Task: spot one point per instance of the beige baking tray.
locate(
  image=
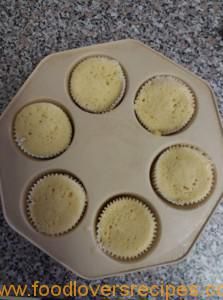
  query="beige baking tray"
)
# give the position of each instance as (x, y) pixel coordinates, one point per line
(111, 154)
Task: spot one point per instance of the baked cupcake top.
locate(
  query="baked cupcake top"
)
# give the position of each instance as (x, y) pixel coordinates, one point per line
(97, 84)
(126, 228)
(55, 204)
(42, 130)
(183, 175)
(164, 105)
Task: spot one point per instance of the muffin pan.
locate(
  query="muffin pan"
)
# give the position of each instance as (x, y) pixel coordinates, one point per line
(111, 154)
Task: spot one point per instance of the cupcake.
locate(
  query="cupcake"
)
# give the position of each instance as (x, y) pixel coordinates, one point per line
(97, 84)
(164, 105)
(42, 130)
(55, 204)
(183, 175)
(126, 228)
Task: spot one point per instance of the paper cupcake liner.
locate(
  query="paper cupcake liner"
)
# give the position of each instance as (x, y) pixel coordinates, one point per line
(193, 102)
(119, 98)
(19, 143)
(192, 202)
(29, 202)
(150, 244)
